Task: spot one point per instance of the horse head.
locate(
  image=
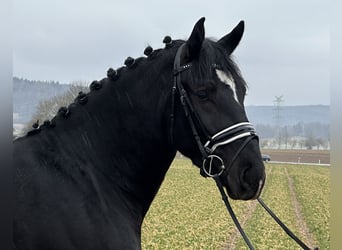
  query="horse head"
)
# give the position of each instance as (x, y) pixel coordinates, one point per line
(210, 123)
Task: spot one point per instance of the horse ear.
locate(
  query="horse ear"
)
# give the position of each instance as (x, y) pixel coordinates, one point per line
(231, 40)
(194, 43)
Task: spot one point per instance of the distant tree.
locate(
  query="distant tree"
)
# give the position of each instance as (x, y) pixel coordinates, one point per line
(293, 142)
(279, 136)
(47, 109)
(321, 143)
(310, 136)
(266, 130)
(297, 129)
(285, 135)
(301, 143)
(278, 117)
(264, 143)
(273, 142)
(310, 142)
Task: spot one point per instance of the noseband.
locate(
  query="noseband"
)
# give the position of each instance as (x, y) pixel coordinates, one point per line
(212, 164)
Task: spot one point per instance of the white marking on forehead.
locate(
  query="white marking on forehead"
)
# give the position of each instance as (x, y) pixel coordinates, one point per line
(226, 80)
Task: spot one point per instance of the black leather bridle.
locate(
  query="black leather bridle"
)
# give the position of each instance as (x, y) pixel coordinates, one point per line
(226, 136)
(210, 160)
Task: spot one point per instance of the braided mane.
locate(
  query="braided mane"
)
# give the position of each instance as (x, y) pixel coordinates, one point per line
(213, 54)
(113, 75)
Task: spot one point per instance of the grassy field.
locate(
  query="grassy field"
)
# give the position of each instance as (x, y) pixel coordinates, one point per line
(188, 212)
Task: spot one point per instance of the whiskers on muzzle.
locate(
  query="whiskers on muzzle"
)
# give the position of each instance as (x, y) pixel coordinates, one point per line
(260, 187)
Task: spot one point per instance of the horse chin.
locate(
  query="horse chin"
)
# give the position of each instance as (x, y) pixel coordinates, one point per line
(242, 190)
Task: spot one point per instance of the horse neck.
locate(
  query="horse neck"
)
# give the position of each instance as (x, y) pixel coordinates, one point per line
(121, 135)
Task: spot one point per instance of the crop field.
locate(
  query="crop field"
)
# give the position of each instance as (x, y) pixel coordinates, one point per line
(188, 212)
(303, 156)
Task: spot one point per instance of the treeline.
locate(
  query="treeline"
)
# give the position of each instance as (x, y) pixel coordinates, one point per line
(40, 100)
(27, 94)
(311, 135)
(24, 80)
(48, 108)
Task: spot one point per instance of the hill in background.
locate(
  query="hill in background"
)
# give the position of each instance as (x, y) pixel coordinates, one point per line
(295, 127)
(289, 115)
(27, 94)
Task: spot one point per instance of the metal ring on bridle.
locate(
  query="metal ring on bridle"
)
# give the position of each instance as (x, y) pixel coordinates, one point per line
(209, 169)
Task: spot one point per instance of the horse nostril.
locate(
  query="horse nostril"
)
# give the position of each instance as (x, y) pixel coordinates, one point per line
(244, 175)
(249, 177)
(252, 181)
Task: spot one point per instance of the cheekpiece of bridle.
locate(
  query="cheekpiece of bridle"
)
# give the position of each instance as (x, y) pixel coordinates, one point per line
(213, 165)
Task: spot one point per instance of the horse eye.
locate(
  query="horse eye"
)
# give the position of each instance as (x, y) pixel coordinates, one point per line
(202, 94)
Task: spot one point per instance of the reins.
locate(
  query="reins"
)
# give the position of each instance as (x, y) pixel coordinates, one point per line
(231, 212)
(262, 203)
(242, 130)
(283, 226)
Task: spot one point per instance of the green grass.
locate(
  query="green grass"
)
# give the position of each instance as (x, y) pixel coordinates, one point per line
(264, 232)
(188, 212)
(312, 188)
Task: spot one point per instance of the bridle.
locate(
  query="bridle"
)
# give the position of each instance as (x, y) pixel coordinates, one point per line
(226, 136)
(238, 131)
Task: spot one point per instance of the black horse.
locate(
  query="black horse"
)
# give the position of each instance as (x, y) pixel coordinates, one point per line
(85, 179)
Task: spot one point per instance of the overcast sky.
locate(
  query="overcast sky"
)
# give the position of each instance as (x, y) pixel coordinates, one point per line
(284, 51)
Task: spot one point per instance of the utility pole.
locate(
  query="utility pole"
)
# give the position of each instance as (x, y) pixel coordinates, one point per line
(278, 117)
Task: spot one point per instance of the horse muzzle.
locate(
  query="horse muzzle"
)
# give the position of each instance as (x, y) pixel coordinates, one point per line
(246, 180)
